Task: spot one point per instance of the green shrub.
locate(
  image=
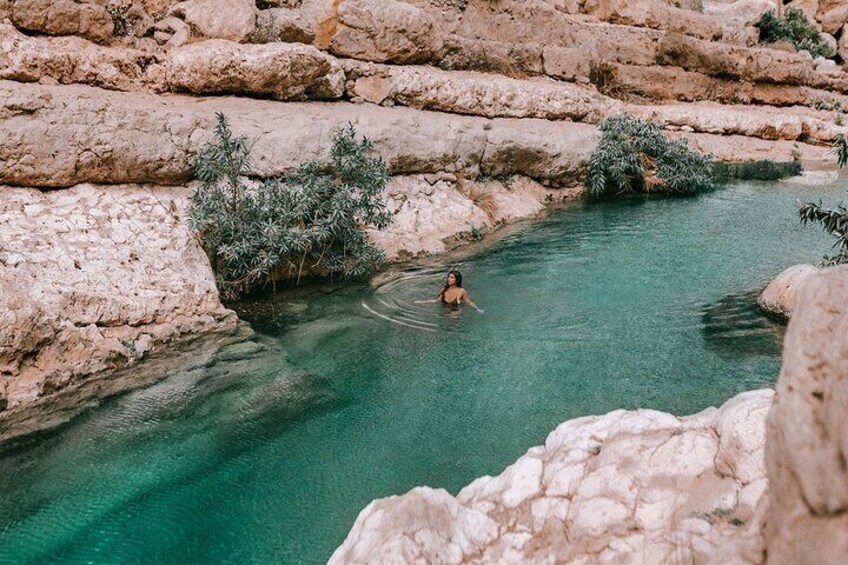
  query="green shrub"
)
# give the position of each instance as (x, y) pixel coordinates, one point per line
(635, 156)
(833, 221)
(758, 170)
(796, 29)
(309, 221)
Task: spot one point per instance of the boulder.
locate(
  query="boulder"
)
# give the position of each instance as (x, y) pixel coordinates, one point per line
(68, 60)
(282, 70)
(234, 20)
(779, 296)
(842, 46)
(833, 20)
(627, 487)
(64, 17)
(282, 24)
(807, 440)
(386, 30)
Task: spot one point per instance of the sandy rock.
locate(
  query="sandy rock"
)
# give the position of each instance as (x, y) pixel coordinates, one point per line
(779, 296)
(842, 46)
(809, 7)
(510, 59)
(282, 24)
(64, 17)
(659, 15)
(68, 60)
(746, 12)
(90, 272)
(807, 443)
(60, 136)
(757, 64)
(477, 93)
(234, 20)
(833, 20)
(385, 30)
(431, 214)
(566, 63)
(284, 71)
(627, 487)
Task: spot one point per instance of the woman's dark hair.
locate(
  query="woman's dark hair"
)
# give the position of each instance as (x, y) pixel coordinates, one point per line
(456, 275)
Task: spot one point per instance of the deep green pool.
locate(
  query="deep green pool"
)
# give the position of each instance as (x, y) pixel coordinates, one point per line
(360, 394)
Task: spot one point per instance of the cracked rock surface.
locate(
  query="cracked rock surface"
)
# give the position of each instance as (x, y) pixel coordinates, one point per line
(627, 487)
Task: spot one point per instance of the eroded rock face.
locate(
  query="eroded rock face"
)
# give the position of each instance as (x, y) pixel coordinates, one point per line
(385, 30)
(628, 487)
(218, 19)
(779, 296)
(807, 437)
(284, 71)
(93, 279)
(90, 20)
(65, 136)
(69, 60)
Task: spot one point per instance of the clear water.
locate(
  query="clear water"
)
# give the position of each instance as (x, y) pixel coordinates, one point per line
(360, 394)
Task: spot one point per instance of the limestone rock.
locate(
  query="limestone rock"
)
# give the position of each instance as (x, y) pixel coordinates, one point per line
(833, 20)
(61, 136)
(807, 440)
(477, 93)
(284, 71)
(218, 19)
(779, 296)
(842, 46)
(716, 59)
(385, 30)
(64, 17)
(659, 15)
(68, 60)
(430, 214)
(746, 12)
(627, 487)
(92, 279)
(282, 24)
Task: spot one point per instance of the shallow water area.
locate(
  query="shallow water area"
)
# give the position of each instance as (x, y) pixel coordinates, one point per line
(355, 392)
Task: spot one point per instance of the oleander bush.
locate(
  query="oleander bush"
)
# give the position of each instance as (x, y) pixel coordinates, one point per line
(834, 222)
(795, 28)
(312, 221)
(634, 156)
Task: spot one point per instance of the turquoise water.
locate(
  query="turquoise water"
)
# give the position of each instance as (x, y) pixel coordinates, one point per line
(358, 393)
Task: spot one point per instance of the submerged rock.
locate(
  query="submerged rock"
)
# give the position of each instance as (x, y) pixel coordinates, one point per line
(779, 296)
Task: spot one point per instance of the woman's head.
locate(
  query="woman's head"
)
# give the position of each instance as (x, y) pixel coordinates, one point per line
(454, 278)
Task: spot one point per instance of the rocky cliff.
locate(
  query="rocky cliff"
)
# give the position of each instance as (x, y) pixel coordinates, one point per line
(483, 110)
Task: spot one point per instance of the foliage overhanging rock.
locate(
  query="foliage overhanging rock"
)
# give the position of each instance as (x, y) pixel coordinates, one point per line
(311, 221)
(635, 156)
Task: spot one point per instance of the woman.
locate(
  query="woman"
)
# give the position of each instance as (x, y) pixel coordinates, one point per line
(452, 294)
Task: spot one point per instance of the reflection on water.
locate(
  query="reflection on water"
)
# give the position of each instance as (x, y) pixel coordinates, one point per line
(734, 325)
(354, 392)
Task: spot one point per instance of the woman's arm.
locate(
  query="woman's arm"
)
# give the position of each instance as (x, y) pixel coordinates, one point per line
(470, 302)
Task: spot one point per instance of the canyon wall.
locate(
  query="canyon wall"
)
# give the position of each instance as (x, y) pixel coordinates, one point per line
(484, 111)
